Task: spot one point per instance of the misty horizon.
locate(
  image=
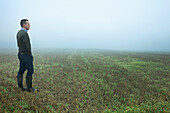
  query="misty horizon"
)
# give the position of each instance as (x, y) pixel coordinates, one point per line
(112, 25)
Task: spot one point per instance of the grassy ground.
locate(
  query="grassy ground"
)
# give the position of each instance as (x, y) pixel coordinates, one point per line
(78, 80)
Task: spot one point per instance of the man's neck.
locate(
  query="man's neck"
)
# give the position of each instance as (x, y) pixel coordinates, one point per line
(24, 29)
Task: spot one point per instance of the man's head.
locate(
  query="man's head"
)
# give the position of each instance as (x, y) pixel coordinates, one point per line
(25, 24)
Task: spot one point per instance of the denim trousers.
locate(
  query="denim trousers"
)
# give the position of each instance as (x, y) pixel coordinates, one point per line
(26, 63)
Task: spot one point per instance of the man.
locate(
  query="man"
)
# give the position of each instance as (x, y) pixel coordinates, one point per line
(25, 56)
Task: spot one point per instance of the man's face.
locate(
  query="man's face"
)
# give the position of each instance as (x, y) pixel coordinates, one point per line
(27, 25)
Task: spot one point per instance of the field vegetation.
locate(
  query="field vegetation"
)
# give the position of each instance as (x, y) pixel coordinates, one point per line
(88, 80)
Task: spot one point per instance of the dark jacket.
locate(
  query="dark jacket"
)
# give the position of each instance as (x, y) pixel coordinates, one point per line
(23, 42)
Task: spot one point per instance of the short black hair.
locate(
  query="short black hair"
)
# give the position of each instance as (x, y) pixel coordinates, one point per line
(23, 21)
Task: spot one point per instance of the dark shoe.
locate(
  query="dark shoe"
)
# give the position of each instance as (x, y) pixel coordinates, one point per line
(28, 90)
(34, 90)
(23, 89)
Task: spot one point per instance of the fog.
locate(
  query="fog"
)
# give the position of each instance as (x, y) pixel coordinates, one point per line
(140, 25)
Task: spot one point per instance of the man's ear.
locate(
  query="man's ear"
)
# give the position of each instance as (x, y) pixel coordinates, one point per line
(23, 25)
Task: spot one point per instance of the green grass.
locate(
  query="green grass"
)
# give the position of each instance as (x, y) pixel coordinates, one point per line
(78, 80)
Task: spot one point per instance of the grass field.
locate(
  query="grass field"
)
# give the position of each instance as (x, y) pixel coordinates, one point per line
(88, 80)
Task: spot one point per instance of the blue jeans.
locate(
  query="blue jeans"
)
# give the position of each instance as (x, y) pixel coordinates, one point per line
(26, 63)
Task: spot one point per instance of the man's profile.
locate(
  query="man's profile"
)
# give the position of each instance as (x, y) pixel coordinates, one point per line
(25, 56)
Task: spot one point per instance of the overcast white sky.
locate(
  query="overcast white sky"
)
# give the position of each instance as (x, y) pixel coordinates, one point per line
(107, 24)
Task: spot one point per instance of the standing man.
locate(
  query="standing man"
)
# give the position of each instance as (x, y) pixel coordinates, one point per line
(25, 56)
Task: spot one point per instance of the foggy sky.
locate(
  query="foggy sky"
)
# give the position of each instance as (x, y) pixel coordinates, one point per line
(107, 24)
